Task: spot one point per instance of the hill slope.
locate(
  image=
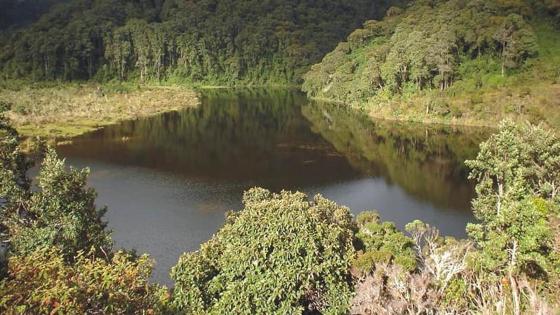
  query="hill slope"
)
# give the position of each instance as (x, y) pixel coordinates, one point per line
(209, 41)
(457, 61)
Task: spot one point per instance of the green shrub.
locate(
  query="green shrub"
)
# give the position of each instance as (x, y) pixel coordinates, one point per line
(517, 172)
(455, 111)
(381, 242)
(59, 253)
(5, 106)
(476, 99)
(281, 254)
(440, 107)
(64, 213)
(455, 294)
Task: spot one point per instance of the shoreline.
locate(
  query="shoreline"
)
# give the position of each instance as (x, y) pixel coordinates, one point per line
(65, 111)
(78, 98)
(537, 107)
(372, 115)
(433, 122)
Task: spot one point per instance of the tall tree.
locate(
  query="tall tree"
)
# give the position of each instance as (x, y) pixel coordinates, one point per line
(517, 41)
(518, 175)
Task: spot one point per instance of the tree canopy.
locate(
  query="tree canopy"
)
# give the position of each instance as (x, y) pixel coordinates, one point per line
(426, 45)
(204, 40)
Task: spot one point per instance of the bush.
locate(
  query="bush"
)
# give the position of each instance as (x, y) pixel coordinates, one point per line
(280, 255)
(456, 112)
(518, 171)
(59, 253)
(440, 107)
(381, 242)
(61, 213)
(42, 283)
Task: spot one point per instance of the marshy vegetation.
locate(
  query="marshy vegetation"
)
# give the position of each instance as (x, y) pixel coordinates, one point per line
(67, 109)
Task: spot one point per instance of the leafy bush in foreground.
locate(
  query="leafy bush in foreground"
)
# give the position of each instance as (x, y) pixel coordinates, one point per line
(518, 174)
(512, 264)
(61, 213)
(280, 255)
(56, 255)
(382, 242)
(42, 283)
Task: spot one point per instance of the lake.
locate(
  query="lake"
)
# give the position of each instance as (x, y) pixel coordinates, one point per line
(168, 180)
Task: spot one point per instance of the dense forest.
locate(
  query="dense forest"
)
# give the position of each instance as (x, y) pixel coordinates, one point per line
(449, 59)
(218, 42)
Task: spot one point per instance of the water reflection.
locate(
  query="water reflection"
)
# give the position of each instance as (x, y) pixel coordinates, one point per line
(426, 161)
(249, 135)
(169, 179)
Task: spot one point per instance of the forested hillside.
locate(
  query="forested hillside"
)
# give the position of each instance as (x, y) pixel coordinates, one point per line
(449, 60)
(192, 41)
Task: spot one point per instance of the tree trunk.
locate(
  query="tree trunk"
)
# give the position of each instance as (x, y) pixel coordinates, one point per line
(513, 281)
(503, 59)
(500, 195)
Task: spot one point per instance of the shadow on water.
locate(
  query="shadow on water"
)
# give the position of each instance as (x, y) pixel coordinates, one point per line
(169, 179)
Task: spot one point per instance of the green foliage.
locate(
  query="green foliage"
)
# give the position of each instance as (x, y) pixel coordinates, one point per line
(381, 242)
(518, 176)
(55, 254)
(220, 42)
(13, 180)
(62, 213)
(42, 283)
(455, 293)
(14, 183)
(281, 254)
(423, 47)
(517, 41)
(13, 164)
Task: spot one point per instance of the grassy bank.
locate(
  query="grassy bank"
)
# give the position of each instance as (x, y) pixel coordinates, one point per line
(67, 110)
(538, 102)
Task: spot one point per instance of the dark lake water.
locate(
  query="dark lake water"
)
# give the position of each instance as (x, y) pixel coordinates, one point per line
(169, 179)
